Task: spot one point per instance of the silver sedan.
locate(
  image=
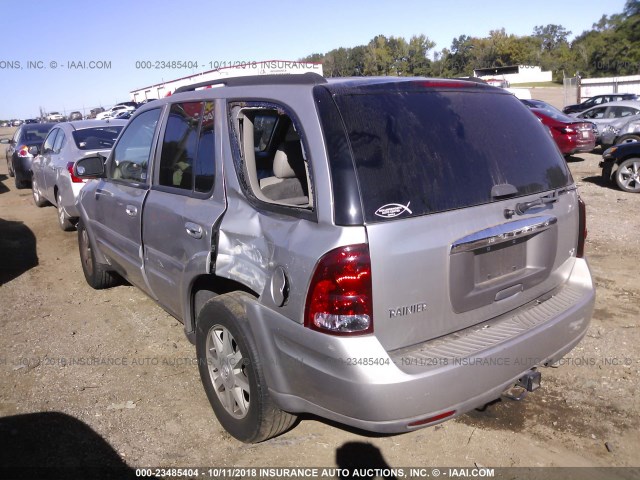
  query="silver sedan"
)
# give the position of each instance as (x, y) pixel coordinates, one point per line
(53, 180)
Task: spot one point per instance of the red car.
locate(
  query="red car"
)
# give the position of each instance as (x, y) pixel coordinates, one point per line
(570, 134)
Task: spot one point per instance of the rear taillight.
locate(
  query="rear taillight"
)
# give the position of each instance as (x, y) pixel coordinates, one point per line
(339, 300)
(566, 130)
(74, 179)
(23, 151)
(582, 227)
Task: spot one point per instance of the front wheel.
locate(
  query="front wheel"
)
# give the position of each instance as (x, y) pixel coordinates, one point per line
(95, 273)
(231, 372)
(628, 175)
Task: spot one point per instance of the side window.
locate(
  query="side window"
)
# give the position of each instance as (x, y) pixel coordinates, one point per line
(283, 177)
(595, 113)
(57, 146)
(49, 141)
(206, 158)
(130, 157)
(180, 144)
(626, 111)
(599, 100)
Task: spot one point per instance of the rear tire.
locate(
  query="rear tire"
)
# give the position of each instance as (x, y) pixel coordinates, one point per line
(20, 183)
(95, 273)
(231, 372)
(63, 219)
(38, 199)
(628, 139)
(628, 175)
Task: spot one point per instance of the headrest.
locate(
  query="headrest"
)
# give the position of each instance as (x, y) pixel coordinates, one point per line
(288, 157)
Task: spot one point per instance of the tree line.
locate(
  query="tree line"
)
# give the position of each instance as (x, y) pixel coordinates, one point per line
(610, 48)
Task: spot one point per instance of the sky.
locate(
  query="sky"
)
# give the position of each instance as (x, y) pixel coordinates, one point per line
(42, 55)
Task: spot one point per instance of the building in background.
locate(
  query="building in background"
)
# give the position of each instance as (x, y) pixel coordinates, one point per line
(513, 74)
(267, 67)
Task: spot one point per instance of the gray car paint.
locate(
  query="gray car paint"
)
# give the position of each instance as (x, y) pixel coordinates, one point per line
(310, 371)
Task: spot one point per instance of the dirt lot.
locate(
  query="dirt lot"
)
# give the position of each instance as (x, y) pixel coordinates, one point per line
(150, 410)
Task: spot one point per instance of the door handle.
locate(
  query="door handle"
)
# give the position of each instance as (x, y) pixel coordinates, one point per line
(131, 210)
(193, 230)
(100, 191)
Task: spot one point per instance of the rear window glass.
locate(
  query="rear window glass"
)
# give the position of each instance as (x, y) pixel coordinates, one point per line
(96, 138)
(424, 152)
(34, 134)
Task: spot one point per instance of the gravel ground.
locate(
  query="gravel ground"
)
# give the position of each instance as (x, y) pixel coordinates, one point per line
(108, 378)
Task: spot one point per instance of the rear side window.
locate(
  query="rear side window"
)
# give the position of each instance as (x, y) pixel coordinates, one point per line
(422, 152)
(187, 161)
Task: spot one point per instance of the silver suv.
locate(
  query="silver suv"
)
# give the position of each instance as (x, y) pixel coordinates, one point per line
(386, 253)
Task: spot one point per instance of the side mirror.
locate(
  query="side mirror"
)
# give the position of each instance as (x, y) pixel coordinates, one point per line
(89, 167)
(34, 150)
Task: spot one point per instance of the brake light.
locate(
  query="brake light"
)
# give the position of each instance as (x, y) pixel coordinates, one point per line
(74, 179)
(582, 227)
(339, 300)
(567, 130)
(23, 151)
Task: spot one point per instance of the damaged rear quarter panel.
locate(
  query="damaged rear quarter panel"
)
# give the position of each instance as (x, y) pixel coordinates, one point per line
(253, 241)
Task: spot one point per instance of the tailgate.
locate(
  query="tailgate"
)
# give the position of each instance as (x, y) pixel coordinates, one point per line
(437, 274)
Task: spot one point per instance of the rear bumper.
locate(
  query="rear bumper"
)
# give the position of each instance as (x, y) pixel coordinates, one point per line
(356, 382)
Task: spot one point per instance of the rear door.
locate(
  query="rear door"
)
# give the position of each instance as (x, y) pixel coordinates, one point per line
(444, 254)
(39, 164)
(52, 163)
(184, 204)
(116, 213)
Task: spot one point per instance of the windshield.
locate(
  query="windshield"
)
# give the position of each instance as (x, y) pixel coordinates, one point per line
(96, 138)
(439, 150)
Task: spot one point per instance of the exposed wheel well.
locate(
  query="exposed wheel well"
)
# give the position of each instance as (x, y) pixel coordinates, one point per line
(205, 287)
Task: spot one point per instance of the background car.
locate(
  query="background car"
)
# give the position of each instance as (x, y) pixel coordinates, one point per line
(55, 117)
(599, 100)
(113, 111)
(621, 164)
(94, 112)
(73, 116)
(53, 180)
(18, 156)
(614, 113)
(16, 123)
(31, 120)
(570, 134)
(615, 133)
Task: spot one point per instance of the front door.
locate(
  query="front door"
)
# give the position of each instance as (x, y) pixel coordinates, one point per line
(119, 198)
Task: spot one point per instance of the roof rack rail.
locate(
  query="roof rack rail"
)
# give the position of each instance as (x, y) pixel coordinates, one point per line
(308, 78)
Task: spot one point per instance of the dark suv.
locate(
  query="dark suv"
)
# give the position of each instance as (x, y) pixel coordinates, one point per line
(598, 100)
(388, 253)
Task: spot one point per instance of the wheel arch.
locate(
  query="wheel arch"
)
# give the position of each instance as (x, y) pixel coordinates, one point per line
(205, 287)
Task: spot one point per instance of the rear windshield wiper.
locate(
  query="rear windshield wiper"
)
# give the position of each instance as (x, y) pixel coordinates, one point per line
(522, 207)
